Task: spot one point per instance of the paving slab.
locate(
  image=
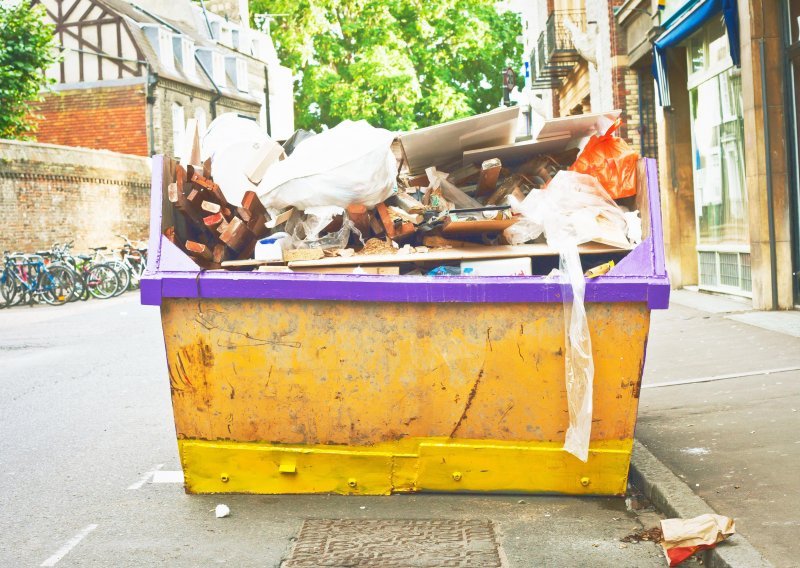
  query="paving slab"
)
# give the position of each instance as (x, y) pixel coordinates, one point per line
(710, 303)
(782, 322)
(686, 343)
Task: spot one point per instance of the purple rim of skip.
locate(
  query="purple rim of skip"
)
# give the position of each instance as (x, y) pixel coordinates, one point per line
(639, 277)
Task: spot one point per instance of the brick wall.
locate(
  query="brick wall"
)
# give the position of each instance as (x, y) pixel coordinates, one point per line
(54, 193)
(629, 95)
(108, 118)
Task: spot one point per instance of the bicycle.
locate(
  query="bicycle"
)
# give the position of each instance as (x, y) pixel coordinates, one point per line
(100, 281)
(28, 276)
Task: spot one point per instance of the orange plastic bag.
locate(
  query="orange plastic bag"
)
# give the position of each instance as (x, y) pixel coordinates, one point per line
(612, 161)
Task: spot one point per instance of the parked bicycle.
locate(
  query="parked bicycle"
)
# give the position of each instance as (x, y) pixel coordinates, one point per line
(26, 278)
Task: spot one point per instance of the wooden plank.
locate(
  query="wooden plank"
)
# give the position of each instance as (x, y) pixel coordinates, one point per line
(378, 270)
(466, 253)
(477, 227)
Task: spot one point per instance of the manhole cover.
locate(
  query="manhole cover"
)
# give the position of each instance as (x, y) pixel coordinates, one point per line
(395, 544)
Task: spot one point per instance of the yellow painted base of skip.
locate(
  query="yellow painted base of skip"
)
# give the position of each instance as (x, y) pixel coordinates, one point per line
(408, 465)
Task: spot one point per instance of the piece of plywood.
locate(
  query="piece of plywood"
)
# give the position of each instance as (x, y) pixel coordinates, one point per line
(441, 143)
(492, 135)
(466, 253)
(478, 227)
(519, 152)
(577, 126)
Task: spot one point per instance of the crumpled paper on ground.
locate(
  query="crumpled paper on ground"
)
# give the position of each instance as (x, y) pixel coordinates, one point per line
(684, 537)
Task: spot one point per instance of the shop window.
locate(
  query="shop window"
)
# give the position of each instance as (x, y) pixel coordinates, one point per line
(720, 196)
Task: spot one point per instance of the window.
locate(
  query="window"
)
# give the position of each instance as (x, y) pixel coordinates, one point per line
(720, 195)
(214, 63)
(184, 53)
(161, 40)
(178, 129)
(202, 122)
(237, 70)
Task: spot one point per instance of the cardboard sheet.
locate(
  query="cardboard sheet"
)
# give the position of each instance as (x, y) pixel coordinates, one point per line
(442, 143)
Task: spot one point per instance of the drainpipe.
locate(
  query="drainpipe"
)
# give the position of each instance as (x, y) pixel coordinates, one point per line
(205, 15)
(152, 79)
(218, 96)
(773, 260)
(157, 18)
(266, 100)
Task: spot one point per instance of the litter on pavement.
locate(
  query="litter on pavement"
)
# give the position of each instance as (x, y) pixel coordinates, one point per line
(683, 537)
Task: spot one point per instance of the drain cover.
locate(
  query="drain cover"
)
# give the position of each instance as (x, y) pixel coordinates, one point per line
(394, 544)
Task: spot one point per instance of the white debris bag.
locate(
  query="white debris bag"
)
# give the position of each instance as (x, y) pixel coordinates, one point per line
(350, 164)
(572, 210)
(233, 143)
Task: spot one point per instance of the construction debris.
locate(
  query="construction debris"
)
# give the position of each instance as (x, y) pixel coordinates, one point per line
(460, 192)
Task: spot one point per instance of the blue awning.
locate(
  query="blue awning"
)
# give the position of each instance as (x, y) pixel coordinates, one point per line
(687, 24)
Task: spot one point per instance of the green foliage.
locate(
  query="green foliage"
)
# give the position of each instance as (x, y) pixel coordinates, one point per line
(26, 48)
(399, 65)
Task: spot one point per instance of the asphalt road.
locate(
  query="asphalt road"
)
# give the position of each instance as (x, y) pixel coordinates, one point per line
(85, 420)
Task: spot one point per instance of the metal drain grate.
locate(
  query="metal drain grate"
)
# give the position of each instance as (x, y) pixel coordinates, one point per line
(395, 543)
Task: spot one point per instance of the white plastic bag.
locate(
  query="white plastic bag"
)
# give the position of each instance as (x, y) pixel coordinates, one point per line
(350, 164)
(231, 142)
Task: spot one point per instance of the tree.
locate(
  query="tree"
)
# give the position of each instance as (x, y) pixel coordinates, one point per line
(26, 49)
(399, 65)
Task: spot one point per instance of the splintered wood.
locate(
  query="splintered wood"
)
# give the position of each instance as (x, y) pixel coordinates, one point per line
(206, 226)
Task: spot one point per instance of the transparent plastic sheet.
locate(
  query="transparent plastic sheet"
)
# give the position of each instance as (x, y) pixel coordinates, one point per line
(574, 209)
(438, 180)
(304, 228)
(578, 362)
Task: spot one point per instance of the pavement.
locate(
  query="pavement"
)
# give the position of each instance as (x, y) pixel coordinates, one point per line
(733, 437)
(88, 456)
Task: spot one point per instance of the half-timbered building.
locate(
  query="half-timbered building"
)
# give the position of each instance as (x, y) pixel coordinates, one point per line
(132, 73)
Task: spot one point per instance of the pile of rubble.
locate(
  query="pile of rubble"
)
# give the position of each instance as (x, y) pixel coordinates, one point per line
(460, 198)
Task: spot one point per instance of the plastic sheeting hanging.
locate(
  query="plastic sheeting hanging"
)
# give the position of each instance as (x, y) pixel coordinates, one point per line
(574, 209)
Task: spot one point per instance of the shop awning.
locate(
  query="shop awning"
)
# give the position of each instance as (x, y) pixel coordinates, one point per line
(685, 25)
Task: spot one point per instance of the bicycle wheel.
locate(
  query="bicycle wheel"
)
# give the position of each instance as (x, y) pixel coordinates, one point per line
(77, 281)
(123, 275)
(56, 285)
(102, 281)
(8, 288)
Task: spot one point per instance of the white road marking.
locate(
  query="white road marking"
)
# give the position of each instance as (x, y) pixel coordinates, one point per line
(167, 477)
(719, 377)
(70, 544)
(145, 478)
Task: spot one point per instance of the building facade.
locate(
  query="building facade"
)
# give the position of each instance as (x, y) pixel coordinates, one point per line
(709, 87)
(132, 74)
